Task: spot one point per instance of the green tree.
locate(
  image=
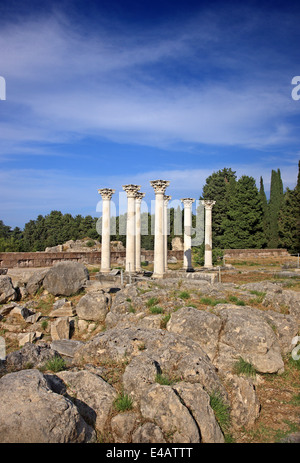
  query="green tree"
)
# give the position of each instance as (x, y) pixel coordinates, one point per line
(265, 209)
(289, 219)
(242, 227)
(276, 198)
(218, 187)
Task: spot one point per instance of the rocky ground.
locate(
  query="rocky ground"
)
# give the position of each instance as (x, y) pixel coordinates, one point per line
(176, 360)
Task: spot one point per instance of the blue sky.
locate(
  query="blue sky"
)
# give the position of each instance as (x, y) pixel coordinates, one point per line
(101, 94)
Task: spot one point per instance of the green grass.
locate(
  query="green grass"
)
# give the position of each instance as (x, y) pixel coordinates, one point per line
(165, 379)
(152, 301)
(55, 364)
(155, 309)
(123, 402)
(164, 321)
(184, 295)
(236, 300)
(222, 413)
(241, 367)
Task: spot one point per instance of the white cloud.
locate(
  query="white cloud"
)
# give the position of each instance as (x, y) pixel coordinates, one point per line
(61, 82)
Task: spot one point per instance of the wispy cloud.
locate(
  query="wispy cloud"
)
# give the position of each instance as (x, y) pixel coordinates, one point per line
(60, 82)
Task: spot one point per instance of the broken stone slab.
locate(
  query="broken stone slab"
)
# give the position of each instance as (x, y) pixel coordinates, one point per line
(34, 317)
(7, 290)
(22, 311)
(29, 337)
(66, 347)
(60, 329)
(65, 310)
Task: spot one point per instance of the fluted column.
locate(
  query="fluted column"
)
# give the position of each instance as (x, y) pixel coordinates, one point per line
(159, 189)
(166, 202)
(106, 194)
(187, 237)
(138, 199)
(208, 205)
(131, 191)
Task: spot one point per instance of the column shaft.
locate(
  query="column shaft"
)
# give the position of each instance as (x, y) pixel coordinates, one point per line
(131, 191)
(187, 238)
(138, 200)
(208, 233)
(159, 260)
(106, 194)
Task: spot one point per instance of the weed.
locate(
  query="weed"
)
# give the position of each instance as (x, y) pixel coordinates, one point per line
(165, 379)
(184, 295)
(164, 321)
(221, 411)
(123, 402)
(155, 309)
(152, 301)
(44, 324)
(55, 364)
(131, 309)
(241, 367)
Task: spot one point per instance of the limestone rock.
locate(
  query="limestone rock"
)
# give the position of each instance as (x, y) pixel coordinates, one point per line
(65, 278)
(65, 310)
(199, 325)
(60, 329)
(92, 395)
(162, 405)
(30, 412)
(30, 354)
(122, 426)
(198, 403)
(245, 406)
(35, 281)
(66, 347)
(7, 291)
(93, 306)
(246, 334)
(148, 433)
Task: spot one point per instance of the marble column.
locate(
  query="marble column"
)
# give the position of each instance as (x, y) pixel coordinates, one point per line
(187, 236)
(131, 191)
(138, 199)
(106, 194)
(159, 189)
(166, 202)
(208, 205)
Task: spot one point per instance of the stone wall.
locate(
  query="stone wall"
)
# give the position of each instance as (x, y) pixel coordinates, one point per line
(47, 259)
(244, 253)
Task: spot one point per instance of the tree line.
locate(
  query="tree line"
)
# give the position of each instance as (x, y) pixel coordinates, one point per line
(242, 218)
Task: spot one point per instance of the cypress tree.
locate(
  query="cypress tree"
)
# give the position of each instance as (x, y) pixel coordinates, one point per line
(217, 189)
(243, 224)
(289, 219)
(264, 204)
(276, 197)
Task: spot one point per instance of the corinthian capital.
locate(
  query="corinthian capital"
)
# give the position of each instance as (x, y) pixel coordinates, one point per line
(159, 185)
(106, 193)
(131, 190)
(187, 201)
(139, 196)
(208, 203)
